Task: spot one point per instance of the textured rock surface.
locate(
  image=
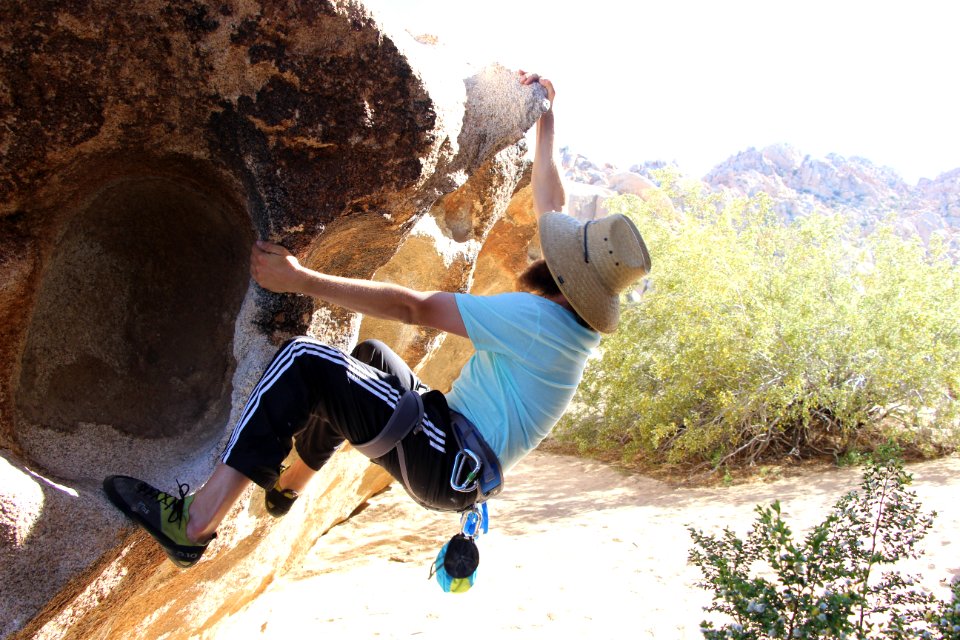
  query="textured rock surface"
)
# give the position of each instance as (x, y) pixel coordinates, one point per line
(140, 157)
(511, 244)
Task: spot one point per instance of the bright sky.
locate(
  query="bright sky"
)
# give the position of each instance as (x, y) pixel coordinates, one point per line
(696, 81)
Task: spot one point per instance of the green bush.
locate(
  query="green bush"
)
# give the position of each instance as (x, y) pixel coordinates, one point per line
(770, 586)
(757, 339)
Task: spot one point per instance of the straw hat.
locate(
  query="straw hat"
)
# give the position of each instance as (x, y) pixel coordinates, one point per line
(593, 263)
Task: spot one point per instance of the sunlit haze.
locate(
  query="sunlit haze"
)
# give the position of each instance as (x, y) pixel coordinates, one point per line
(696, 81)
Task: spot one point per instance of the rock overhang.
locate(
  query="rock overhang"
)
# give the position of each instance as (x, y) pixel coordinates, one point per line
(141, 156)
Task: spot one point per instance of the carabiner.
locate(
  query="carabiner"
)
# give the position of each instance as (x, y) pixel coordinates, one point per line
(474, 521)
(469, 482)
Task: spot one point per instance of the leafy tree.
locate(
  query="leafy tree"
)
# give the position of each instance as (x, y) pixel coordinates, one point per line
(769, 585)
(757, 339)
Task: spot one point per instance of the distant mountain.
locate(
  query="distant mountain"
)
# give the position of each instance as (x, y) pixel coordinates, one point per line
(798, 184)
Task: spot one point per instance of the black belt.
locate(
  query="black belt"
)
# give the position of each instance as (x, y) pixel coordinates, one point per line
(476, 467)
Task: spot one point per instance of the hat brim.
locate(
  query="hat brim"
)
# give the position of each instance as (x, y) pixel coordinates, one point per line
(561, 241)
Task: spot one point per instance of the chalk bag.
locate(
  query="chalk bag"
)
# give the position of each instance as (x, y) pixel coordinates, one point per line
(456, 565)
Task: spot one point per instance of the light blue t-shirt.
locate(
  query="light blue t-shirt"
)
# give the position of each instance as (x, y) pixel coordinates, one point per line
(529, 359)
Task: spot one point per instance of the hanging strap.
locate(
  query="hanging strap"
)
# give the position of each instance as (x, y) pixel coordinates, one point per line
(406, 416)
(476, 467)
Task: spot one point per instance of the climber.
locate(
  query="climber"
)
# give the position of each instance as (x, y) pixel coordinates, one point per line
(448, 450)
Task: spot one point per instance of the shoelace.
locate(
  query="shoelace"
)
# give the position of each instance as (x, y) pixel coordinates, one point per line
(174, 504)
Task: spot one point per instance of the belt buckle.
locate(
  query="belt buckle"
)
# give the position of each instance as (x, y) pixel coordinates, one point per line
(469, 477)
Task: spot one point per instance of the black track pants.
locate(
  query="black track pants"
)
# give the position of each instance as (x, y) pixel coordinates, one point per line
(316, 396)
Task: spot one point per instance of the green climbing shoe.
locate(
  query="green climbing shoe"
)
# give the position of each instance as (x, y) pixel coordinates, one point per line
(163, 516)
(278, 501)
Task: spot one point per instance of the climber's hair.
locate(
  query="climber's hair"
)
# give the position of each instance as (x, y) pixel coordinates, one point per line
(537, 279)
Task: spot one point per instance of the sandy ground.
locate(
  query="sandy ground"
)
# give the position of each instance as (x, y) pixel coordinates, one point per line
(576, 549)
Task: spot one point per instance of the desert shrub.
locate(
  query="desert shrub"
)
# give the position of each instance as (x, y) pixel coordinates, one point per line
(769, 585)
(755, 339)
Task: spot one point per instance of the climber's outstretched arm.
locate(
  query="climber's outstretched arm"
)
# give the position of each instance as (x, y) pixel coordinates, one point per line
(548, 192)
(276, 269)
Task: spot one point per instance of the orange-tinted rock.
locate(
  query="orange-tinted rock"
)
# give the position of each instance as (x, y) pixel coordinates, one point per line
(143, 147)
